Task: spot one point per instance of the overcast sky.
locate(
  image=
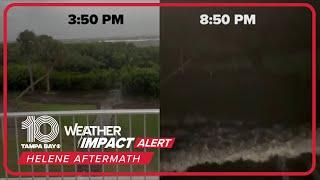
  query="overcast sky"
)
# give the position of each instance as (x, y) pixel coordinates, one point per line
(53, 21)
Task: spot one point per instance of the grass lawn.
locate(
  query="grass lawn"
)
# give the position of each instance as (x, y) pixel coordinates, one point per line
(138, 130)
(27, 106)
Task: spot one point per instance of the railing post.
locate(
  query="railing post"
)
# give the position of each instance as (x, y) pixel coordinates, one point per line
(89, 166)
(102, 149)
(60, 141)
(74, 146)
(17, 143)
(46, 150)
(116, 124)
(73, 114)
(130, 135)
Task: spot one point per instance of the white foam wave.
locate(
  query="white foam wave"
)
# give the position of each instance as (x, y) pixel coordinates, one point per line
(220, 145)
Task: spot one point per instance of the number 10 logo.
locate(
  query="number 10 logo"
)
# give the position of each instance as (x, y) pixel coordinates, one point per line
(33, 128)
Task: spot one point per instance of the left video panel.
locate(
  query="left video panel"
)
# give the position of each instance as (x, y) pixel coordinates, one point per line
(74, 72)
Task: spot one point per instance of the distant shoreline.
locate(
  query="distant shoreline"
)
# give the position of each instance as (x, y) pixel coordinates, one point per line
(131, 40)
(111, 40)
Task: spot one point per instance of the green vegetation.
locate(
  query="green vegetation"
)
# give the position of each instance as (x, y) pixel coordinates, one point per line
(97, 79)
(140, 81)
(137, 130)
(51, 65)
(54, 107)
(61, 80)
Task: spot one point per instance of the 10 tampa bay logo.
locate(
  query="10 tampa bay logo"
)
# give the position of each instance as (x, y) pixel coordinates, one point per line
(33, 126)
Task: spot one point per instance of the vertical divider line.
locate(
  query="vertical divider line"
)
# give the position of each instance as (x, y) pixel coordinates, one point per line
(144, 136)
(17, 144)
(159, 137)
(60, 141)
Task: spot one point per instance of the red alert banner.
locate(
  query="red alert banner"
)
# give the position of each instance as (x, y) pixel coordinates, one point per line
(58, 158)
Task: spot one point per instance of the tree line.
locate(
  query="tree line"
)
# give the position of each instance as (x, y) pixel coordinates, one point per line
(40, 62)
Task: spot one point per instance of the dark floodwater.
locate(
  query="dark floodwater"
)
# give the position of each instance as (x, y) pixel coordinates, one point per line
(239, 147)
(256, 120)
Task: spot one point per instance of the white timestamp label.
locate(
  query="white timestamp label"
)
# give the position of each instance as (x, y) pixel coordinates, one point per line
(226, 19)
